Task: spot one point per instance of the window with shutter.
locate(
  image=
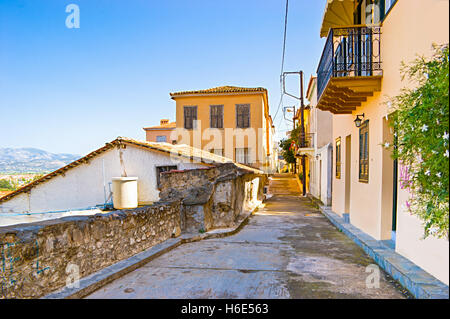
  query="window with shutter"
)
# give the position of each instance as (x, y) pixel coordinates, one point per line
(216, 116)
(364, 152)
(242, 115)
(242, 155)
(217, 151)
(190, 115)
(338, 158)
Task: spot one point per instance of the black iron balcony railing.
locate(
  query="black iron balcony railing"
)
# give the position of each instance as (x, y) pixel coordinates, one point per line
(306, 141)
(350, 51)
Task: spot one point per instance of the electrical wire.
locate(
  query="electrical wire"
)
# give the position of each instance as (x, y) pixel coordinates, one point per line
(282, 59)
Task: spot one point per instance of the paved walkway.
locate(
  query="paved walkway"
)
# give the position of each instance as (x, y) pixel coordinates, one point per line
(287, 250)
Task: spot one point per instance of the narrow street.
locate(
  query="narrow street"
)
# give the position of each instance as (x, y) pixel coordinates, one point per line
(287, 250)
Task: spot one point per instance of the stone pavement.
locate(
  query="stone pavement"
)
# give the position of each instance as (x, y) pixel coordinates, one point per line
(287, 250)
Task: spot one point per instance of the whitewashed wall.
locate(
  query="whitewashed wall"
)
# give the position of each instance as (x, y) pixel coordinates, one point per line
(321, 178)
(82, 187)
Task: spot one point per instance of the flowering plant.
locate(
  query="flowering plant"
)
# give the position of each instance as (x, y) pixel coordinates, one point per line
(421, 125)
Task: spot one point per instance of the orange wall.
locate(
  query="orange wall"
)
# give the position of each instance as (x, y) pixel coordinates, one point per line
(256, 138)
(150, 135)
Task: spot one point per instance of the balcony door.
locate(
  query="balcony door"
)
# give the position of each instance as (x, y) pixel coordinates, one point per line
(368, 12)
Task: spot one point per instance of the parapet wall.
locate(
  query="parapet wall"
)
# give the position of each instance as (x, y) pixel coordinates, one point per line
(39, 258)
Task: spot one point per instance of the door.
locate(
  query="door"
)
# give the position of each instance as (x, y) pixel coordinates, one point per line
(394, 194)
(348, 179)
(320, 180)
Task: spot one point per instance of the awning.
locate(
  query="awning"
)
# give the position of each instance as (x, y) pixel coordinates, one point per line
(337, 13)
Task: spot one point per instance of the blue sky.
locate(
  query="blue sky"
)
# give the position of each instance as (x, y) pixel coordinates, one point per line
(71, 90)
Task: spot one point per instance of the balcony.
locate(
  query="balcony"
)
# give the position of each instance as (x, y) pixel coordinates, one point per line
(306, 144)
(350, 68)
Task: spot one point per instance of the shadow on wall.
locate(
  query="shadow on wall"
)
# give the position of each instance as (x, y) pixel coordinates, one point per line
(213, 197)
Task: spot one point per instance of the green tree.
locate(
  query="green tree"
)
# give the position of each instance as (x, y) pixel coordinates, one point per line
(5, 184)
(421, 125)
(287, 150)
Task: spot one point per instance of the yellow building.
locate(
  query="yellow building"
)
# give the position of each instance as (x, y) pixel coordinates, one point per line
(359, 71)
(230, 121)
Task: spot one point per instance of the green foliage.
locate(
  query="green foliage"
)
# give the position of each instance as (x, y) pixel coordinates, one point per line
(287, 150)
(5, 184)
(421, 123)
(288, 146)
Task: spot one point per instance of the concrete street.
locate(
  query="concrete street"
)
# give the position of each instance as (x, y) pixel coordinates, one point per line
(287, 250)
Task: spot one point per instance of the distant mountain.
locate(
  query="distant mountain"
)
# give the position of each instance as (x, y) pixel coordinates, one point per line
(32, 160)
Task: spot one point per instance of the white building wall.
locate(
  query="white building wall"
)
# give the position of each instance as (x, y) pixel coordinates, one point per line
(82, 187)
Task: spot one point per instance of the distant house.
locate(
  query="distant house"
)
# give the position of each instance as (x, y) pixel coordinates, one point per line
(85, 183)
(230, 121)
(161, 132)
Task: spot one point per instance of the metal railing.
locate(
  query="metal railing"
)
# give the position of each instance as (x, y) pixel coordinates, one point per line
(349, 51)
(306, 141)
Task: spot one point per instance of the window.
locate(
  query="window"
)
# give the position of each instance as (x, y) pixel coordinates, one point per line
(241, 155)
(216, 116)
(161, 138)
(338, 158)
(386, 6)
(364, 152)
(190, 115)
(372, 11)
(160, 169)
(242, 115)
(217, 151)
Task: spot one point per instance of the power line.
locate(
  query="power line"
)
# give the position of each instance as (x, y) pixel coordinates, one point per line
(282, 59)
(284, 38)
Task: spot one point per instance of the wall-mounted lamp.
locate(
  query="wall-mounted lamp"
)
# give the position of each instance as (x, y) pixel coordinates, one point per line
(359, 120)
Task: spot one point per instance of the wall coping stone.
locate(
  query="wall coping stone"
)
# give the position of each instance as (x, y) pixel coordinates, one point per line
(100, 278)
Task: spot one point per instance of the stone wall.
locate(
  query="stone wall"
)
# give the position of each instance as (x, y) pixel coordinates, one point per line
(213, 197)
(39, 258)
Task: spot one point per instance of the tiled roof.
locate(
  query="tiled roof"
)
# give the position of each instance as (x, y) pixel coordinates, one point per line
(221, 89)
(171, 125)
(180, 150)
(189, 152)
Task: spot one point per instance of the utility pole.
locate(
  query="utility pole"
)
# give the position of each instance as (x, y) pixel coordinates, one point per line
(293, 121)
(302, 122)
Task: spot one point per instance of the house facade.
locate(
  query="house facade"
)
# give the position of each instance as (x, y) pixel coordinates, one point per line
(317, 146)
(160, 133)
(359, 71)
(230, 121)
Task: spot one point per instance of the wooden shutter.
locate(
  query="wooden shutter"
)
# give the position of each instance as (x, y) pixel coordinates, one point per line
(190, 115)
(364, 152)
(242, 115)
(216, 116)
(187, 118)
(338, 158)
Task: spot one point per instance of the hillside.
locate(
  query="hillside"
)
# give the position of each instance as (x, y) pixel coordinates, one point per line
(22, 160)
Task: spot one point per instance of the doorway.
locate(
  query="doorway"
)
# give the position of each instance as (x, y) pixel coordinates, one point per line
(394, 192)
(348, 177)
(320, 179)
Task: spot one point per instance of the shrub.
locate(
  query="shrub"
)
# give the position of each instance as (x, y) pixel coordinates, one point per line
(421, 125)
